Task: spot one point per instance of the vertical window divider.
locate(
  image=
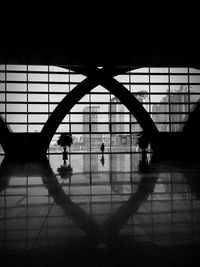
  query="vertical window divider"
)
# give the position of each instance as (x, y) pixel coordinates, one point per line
(5, 77)
(149, 100)
(130, 133)
(27, 98)
(48, 100)
(90, 128)
(48, 89)
(188, 71)
(169, 100)
(130, 130)
(70, 130)
(110, 121)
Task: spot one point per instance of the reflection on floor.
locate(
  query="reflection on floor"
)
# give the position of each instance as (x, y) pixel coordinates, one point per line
(117, 210)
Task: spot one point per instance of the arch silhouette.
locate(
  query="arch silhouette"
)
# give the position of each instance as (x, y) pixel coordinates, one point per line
(113, 86)
(5, 133)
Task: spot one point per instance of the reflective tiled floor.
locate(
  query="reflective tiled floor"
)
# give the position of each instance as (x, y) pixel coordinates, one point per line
(112, 211)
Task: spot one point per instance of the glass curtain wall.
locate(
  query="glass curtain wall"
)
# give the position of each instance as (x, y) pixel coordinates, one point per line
(29, 94)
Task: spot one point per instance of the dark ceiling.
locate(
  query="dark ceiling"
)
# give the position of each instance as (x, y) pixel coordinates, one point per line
(104, 42)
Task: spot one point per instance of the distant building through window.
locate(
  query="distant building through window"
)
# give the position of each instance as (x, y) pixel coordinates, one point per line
(29, 94)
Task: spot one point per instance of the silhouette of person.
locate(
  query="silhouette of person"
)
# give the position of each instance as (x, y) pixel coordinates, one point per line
(102, 148)
(65, 156)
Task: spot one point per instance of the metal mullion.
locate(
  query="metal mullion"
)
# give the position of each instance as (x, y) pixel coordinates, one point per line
(65, 93)
(133, 93)
(149, 90)
(78, 122)
(174, 112)
(39, 72)
(131, 144)
(99, 93)
(126, 113)
(169, 99)
(79, 73)
(48, 90)
(27, 98)
(167, 93)
(123, 83)
(48, 107)
(5, 78)
(130, 124)
(75, 132)
(39, 82)
(90, 126)
(160, 83)
(188, 90)
(69, 113)
(110, 120)
(24, 112)
(93, 153)
(25, 123)
(155, 74)
(87, 103)
(22, 92)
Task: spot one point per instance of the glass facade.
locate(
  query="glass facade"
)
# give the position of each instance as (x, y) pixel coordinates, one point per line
(29, 94)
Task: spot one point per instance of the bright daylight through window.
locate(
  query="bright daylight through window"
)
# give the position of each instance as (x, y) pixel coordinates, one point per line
(29, 94)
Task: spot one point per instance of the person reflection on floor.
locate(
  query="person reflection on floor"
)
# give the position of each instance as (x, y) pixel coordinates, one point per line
(102, 160)
(143, 163)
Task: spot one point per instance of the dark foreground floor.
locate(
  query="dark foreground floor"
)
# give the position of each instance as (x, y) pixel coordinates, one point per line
(121, 213)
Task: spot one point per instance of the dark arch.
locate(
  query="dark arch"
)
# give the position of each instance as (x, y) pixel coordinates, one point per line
(64, 107)
(5, 133)
(112, 85)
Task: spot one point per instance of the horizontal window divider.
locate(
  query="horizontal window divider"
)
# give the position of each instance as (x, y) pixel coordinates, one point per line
(97, 133)
(76, 123)
(41, 72)
(160, 83)
(120, 74)
(107, 124)
(167, 93)
(127, 113)
(25, 113)
(33, 92)
(98, 123)
(113, 123)
(29, 102)
(100, 93)
(24, 123)
(38, 82)
(80, 113)
(96, 103)
(158, 74)
(112, 103)
(76, 83)
(169, 103)
(97, 153)
(171, 122)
